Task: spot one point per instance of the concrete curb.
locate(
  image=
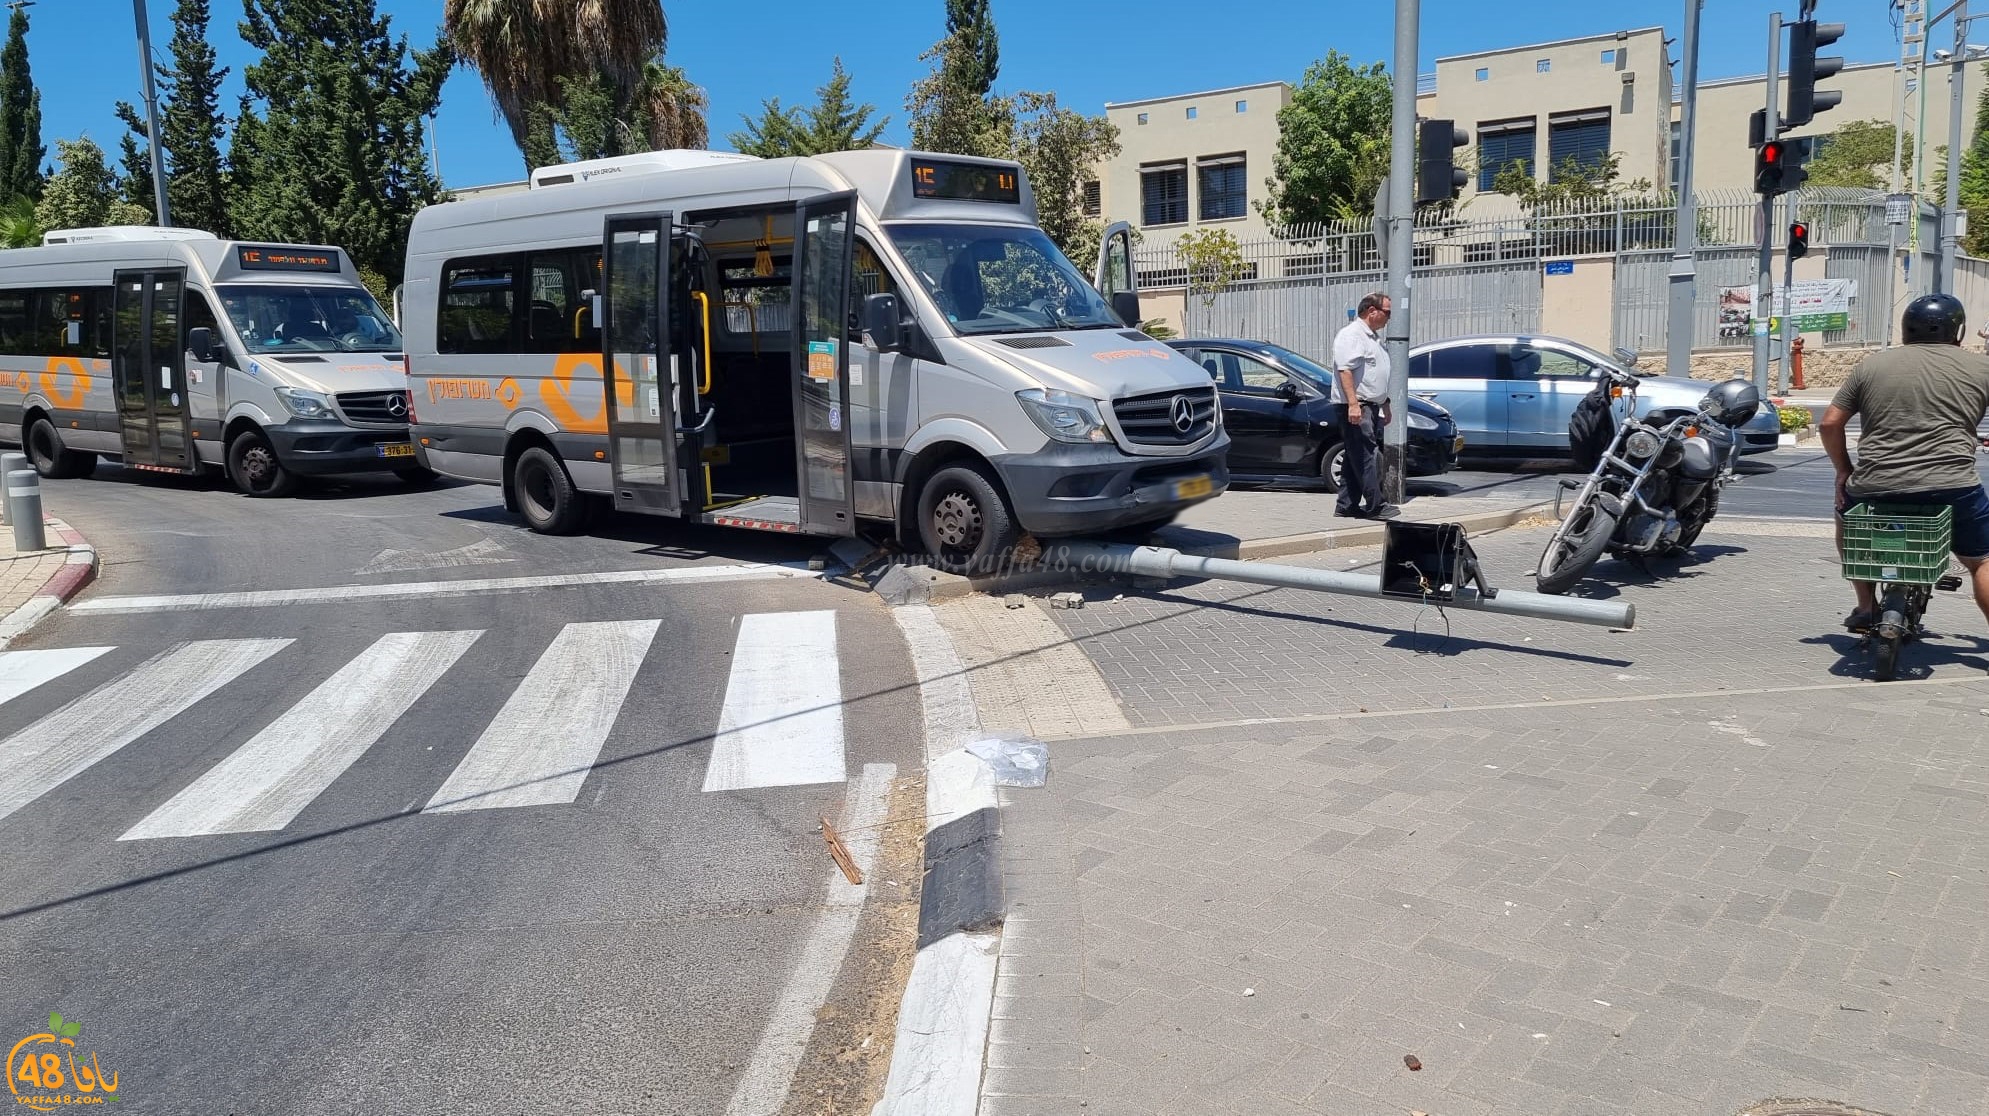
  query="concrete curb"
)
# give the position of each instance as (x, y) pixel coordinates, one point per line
(79, 568)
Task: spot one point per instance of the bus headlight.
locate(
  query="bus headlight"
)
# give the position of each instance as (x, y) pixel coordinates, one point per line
(305, 404)
(1063, 416)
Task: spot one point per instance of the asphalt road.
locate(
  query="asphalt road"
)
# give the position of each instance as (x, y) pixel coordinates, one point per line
(1791, 482)
(429, 849)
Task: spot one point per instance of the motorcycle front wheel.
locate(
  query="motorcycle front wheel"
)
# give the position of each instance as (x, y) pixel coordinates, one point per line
(1574, 548)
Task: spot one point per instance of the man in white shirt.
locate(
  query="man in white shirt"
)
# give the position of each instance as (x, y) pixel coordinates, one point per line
(1360, 402)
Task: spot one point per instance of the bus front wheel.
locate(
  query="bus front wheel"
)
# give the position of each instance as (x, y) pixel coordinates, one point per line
(965, 522)
(255, 468)
(546, 495)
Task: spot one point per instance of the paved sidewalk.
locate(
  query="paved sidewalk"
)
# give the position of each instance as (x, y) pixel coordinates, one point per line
(1262, 523)
(1679, 870)
(35, 583)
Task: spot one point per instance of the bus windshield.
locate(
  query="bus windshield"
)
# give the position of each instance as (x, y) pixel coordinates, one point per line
(1001, 279)
(304, 319)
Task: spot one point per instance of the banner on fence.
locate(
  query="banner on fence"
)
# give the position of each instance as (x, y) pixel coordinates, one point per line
(1820, 305)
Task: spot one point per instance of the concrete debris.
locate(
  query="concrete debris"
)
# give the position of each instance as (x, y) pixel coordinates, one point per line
(1067, 600)
(1015, 600)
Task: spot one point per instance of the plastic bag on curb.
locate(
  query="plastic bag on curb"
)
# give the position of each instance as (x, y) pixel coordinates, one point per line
(1017, 761)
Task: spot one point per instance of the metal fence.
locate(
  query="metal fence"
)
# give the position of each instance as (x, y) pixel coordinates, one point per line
(1480, 269)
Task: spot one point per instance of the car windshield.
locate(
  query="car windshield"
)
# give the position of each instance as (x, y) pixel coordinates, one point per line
(1317, 373)
(1596, 358)
(1001, 279)
(303, 319)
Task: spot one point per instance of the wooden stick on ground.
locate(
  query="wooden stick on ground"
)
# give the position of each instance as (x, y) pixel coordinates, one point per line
(840, 853)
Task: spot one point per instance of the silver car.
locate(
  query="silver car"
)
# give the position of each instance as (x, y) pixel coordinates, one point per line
(1513, 394)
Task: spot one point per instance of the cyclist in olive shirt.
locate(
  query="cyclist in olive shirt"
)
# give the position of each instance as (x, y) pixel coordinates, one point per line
(1918, 406)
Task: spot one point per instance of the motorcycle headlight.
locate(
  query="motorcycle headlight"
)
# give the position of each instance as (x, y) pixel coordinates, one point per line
(1640, 443)
(1421, 422)
(304, 404)
(1063, 416)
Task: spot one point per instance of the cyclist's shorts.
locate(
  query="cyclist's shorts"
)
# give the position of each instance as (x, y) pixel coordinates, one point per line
(1971, 514)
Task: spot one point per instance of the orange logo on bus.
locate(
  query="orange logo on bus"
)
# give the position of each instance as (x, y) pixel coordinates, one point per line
(556, 393)
(79, 382)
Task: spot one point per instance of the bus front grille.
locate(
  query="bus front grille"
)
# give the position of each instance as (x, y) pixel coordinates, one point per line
(374, 408)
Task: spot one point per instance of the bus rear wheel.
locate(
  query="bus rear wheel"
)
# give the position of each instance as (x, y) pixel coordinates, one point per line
(50, 459)
(546, 495)
(965, 523)
(255, 468)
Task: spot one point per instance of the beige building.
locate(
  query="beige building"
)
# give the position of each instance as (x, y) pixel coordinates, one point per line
(1193, 160)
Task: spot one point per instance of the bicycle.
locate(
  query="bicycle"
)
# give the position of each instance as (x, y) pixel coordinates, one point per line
(1903, 549)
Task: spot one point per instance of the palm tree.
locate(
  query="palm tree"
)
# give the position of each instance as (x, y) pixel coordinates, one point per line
(19, 227)
(524, 47)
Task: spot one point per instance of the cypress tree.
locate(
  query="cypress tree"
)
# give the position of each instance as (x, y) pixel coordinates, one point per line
(21, 150)
(191, 124)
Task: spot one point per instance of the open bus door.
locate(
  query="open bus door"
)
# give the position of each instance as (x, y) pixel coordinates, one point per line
(148, 370)
(823, 276)
(638, 370)
(1117, 277)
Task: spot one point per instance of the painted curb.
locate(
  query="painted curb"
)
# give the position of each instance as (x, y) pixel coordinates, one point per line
(944, 586)
(79, 568)
(948, 1004)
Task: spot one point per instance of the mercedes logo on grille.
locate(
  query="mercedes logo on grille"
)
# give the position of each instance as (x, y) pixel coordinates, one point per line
(397, 406)
(1183, 414)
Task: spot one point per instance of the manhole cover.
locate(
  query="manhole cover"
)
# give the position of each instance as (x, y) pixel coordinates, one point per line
(1807, 1108)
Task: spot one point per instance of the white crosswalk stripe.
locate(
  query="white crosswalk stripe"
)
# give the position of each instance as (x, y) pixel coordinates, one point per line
(269, 780)
(783, 719)
(68, 741)
(21, 671)
(541, 745)
(781, 723)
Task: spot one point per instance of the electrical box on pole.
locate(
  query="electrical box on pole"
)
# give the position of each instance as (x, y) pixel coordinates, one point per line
(1805, 69)
(1438, 177)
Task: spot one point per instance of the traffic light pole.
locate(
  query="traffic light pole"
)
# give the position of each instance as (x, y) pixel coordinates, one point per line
(1401, 249)
(1951, 210)
(1764, 301)
(1685, 227)
(1788, 304)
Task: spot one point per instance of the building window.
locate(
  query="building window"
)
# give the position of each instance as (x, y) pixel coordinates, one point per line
(1484, 74)
(1677, 134)
(1609, 58)
(1223, 186)
(1093, 200)
(1542, 66)
(1164, 194)
(1191, 112)
(1579, 136)
(1142, 118)
(1502, 144)
(1242, 107)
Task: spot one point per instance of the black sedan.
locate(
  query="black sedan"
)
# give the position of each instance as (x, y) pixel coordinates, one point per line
(1281, 427)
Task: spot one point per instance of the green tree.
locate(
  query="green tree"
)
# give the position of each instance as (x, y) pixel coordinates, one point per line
(835, 122)
(191, 124)
(329, 151)
(134, 158)
(21, 150)
(974, 23)
(1332, 144)
(1571, 182)
(19, 227)
(1213, 259)
(950, 111)
(1060, 149)
(552, 66)
(1859, 155)
(84, 193)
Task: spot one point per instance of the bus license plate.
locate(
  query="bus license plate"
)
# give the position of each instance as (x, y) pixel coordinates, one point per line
(397, 449)
(1193, 487)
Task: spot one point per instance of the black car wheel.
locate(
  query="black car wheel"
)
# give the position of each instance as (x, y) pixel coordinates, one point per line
(1333, 465)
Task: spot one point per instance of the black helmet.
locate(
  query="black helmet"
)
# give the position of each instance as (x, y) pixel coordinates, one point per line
(1732, 402)
(1933, 319)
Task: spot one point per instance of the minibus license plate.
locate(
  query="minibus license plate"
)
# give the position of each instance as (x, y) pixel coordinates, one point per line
(1193, 487)
(397, 449)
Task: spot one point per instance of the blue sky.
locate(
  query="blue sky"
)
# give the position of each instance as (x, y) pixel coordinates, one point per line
(84, 52)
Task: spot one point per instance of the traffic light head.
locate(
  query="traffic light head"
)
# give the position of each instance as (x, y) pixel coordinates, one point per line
(1438, 177)
(1799, 240)
(1805, 69)
(1768, 164)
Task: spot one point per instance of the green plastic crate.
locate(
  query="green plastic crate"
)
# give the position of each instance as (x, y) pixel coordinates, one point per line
(1901, 543)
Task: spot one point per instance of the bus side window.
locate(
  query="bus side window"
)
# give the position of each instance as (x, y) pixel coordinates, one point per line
(559, 317)
(16, 336)
(479, 308)
(200, 313)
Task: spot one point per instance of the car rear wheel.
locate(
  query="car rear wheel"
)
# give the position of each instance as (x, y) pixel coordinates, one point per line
(1332, 466)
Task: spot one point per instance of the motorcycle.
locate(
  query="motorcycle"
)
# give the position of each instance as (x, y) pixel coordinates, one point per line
(1654, 487)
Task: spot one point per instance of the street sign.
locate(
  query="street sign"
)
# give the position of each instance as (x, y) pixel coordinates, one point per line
(1897, 208)
(1560, 267)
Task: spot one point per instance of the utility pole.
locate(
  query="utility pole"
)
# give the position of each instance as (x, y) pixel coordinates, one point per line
(1401, 249)
(151, 113)
(1908, 76)
(1951, 209)
(1764, 300)
(1685, 226)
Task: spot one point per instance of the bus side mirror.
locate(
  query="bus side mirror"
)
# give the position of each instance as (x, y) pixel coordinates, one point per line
(1126, 304)
(200, 342)
(883, 321)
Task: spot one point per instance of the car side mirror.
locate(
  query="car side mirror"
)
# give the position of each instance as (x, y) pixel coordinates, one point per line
(1126, 304)
(1289, 392)
(884, 322)
(1626, 358)
(200, 342)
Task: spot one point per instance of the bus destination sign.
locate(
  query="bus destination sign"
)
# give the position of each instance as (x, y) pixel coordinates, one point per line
(269, 258)
(965, 182)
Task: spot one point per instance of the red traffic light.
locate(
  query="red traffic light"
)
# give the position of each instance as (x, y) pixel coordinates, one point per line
(1798, 240)
(1799, 231)
(1771, 152)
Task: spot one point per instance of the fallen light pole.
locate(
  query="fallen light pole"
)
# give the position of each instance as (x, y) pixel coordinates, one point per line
(1153, 561)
